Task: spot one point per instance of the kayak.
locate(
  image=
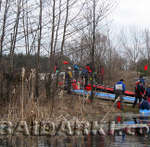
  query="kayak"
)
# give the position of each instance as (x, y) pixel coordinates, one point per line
(111, 90)
(102, 89)
(144, 112)
(105, 96)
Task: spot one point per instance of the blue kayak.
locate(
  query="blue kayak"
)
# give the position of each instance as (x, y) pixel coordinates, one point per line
(144, 112)
(129, 122)
(106, 96)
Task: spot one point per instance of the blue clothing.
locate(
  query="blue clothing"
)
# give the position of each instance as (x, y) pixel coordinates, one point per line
(148, 92)
(145, 105)
(76, 67)
(142, 81)
(120, 86)
(84, 72)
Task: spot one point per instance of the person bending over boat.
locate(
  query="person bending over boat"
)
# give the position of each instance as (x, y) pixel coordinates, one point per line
(148, 93)
(139, 92)
(119, 89)
(145, 104)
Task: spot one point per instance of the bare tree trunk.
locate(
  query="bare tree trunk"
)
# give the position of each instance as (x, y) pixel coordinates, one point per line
(38, 52)
(1, 45)
(26, 28)
(65, 27)
(58, 25)
(53, 29)
(147, 39)
(0, 4)
(3, 29)
(52, 40)
(93, 48)
(14, 37)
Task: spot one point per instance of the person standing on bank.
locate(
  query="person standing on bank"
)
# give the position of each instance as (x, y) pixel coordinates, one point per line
(76, 72)
(119, 89)
(139, 92)
(68, 77)
(148, 93)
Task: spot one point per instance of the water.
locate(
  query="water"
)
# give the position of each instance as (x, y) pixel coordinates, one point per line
(79, 141)
(86, 141)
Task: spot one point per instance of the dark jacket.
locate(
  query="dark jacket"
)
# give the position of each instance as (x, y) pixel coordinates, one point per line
(145, 105)
(68, 77)
(148, 92)
(84, 73)
(139, 90)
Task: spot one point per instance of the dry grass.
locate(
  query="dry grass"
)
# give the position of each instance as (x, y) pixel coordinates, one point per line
(63, 106)
(66, 108)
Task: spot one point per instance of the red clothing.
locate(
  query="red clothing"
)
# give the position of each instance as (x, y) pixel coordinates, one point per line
(88, 68)
(119, 105)
(102, 71)
(88, 87)
(118, 119)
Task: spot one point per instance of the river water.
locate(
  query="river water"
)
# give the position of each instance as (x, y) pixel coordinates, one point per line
(119, 139)
(85, 141)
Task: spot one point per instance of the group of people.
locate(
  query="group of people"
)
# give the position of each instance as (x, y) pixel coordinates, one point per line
(76, 74)
(83, 74)
(142, 92)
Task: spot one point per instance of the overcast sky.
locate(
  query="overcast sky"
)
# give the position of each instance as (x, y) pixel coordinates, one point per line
(132, 12)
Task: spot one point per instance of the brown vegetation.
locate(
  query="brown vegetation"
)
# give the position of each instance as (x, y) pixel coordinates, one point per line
(67, 107)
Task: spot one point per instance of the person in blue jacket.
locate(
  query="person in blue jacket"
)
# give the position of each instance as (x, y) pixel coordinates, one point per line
(76, 72)
(119, 89)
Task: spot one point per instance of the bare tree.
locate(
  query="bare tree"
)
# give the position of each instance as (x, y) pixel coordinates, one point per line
(1, 43)
(14, 35)
(53, 29)
(26, 26)
(146, 49)
(3, 28)
(0, 4)
(38, 52)
(132, 46)
(65, 26)
(58, 26)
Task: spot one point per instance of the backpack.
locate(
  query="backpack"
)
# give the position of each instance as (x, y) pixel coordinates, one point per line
(119, 86)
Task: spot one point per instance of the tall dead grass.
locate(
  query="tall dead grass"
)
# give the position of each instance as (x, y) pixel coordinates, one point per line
(61, 106)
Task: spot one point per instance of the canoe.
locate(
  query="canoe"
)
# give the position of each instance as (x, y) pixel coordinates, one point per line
(102, 88)
(144, 112)
(105, 96)
(111, 90)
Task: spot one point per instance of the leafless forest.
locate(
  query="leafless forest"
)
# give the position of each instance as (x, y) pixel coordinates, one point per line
(59, 30)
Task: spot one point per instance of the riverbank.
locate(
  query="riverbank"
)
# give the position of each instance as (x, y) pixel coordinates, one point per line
(67, 107)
